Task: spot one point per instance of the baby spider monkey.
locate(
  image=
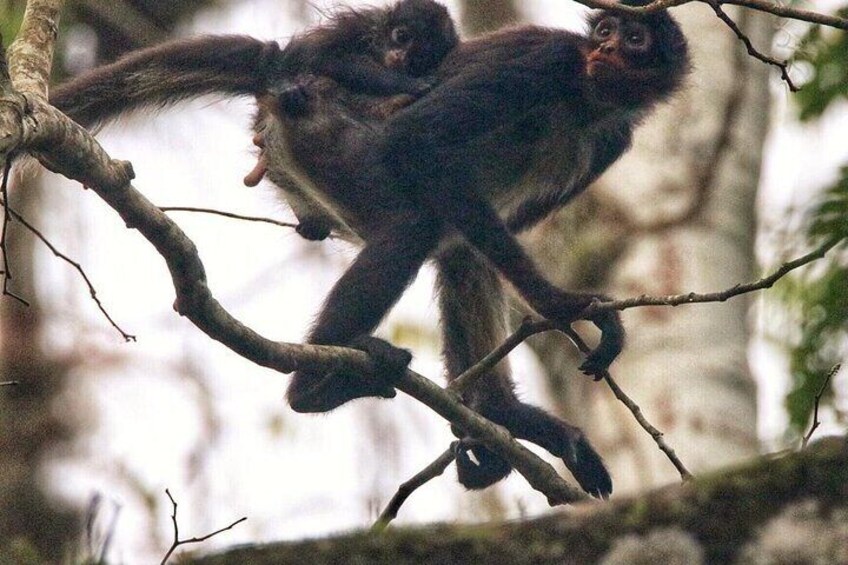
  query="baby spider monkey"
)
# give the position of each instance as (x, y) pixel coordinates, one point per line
(371, 51)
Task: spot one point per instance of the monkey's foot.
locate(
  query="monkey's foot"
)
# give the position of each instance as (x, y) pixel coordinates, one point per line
(310, 392)
(294, 101)
(528, 422)
(478, 467)
(390, 365)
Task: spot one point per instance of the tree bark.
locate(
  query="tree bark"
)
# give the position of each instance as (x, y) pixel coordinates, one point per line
(713, 519)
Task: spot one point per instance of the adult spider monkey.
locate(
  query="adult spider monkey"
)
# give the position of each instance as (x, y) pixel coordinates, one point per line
(517, 123)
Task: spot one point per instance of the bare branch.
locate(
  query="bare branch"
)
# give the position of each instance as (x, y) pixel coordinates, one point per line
(91, 290)
(819, 396)
(788, 11)
(178, 542)
(774, 8)
(227, 215)
(31, 54)
(752, 51)
(722, 296)
(430, 472)
(9, 383)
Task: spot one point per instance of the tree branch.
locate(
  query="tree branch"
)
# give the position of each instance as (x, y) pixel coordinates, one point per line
(721, 296)
(178, 542)
(819, 396)
(773, 8)
(430, 472)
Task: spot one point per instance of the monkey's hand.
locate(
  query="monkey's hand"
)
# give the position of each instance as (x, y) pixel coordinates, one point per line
(565, 308)
(478, 467)
(611, 344)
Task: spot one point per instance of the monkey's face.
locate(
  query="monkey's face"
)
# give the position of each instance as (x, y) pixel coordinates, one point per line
(618, 45)
(418, 34)
(630, 59)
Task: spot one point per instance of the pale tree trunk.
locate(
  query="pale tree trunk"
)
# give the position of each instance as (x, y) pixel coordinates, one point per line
(675, 215)
(30, 426)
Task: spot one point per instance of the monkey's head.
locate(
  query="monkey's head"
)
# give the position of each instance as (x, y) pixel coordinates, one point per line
(631, 59)
(415, 36)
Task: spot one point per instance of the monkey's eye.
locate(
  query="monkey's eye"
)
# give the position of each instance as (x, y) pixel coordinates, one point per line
(401, 35)
(637, 38)
(605, 29)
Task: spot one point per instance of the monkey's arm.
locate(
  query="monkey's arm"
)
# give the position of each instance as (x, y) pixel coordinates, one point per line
(168, 73)
(362, 74)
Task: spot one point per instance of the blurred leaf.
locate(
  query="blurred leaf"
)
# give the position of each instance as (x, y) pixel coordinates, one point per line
(819, 301)
(826, 53)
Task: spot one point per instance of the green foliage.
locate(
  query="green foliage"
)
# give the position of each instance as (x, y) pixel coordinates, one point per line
(819, 298)
(826, 53)
(11, 14)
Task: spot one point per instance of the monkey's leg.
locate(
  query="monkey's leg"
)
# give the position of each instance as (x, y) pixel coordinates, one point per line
(354, 307)
(473, 310)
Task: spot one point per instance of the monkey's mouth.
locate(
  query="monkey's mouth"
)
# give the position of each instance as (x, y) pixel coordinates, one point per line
(395, 59)
(600, 64)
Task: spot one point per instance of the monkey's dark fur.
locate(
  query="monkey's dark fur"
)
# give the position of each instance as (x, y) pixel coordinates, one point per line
(378, 51)
(357, 48)
(517, 123)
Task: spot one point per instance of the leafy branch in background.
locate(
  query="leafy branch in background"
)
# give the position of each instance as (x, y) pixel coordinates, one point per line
(826, 54)
(818, 297)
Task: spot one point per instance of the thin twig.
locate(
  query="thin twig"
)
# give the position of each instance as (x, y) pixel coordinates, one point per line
(430, 472)
(752, 51)
(227, 215)
(91, 290)
(528, 328)
(178, 542)
(10, 383)
(722, 296)
(7, 269)
(787, 11)
(634, 409)
(819, 395)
